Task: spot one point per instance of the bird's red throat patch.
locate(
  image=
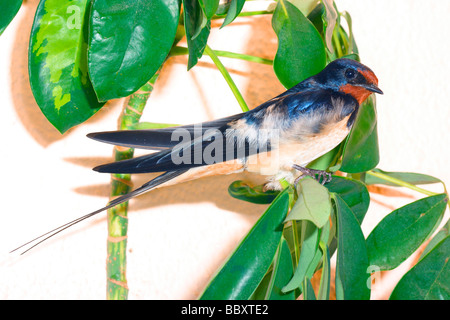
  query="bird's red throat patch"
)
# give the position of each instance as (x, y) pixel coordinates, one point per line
(360, 93)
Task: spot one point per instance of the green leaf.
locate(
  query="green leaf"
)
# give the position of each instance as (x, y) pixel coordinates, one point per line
(352, 260)
(361, 147)
(313, 203)
(282, 272)
(246, 267)
(58, 63)
(441, 235)
(196, 36)
(353, 52)
(129, 40)
(324, 288)
(308, 290)
(353, 192)
(305, 6)
(209, 7)
(409, 177)
(326, 160)
(233, 11)
(402, 231)
(329, 19)
(309, 256)
(301, 52)
(429, 279)
(9, 11)
(242, 191)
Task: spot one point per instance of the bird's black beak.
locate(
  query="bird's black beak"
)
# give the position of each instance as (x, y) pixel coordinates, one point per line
(372, 87)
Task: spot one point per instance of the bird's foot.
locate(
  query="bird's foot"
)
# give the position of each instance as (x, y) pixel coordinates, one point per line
(315, 174)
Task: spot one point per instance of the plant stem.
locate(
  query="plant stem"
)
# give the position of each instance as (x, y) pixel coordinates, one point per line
(400, 183)
(117, 288)
(227, 77)
(245, 14)
(179, 51)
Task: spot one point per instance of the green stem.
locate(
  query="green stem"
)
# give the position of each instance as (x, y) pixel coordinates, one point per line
(228, 78)
(179, 51)
(401, 183)
(117, 288)
(245, 14)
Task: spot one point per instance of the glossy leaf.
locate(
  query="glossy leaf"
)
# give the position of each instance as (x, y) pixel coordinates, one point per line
(233, 11)
(209, 7)
(330, 18)
(242, 191)
(353, 192)
(305, 6)
(352, 260)
(438, 237)
(328, 159)
(129, 40)
(9, 11)
(324, 288)
(301, 52)
(308, 256)
(196, 35)
(361, 147)
(401, 232)
(308, 290)
(246, 267)
(409, 177)
(282, 272)
(429, 279)
(58, 63)
(313, 203)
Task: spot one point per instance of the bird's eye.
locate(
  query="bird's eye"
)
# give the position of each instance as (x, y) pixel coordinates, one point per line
(350, 74)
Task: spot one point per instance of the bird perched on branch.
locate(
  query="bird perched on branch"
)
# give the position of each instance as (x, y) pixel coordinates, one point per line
(277, 139)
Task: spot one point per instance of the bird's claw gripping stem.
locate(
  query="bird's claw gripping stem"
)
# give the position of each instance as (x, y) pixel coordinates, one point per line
(315, 174)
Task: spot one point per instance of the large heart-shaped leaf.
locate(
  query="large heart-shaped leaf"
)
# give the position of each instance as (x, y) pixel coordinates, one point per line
(9, 11)
(58, 63)
(129, 40)
(301, 52)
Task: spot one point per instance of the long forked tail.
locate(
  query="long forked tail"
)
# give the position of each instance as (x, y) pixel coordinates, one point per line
(142, 189)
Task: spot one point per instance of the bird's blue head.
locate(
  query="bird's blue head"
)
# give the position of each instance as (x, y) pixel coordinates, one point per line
(350, 77)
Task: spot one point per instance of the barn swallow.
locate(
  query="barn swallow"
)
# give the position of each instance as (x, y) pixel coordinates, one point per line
(276, 139)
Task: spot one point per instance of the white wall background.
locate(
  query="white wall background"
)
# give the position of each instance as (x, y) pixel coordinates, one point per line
(180, 235)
